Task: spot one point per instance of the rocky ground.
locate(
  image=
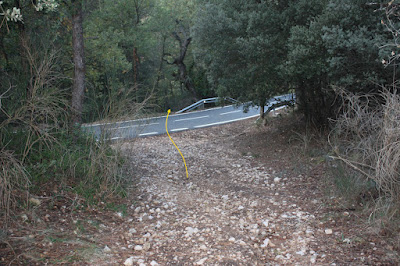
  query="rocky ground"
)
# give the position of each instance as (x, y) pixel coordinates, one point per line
(254, 196)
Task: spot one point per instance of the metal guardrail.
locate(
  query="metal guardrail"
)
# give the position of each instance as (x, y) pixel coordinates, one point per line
(286, 97)
(205, 101)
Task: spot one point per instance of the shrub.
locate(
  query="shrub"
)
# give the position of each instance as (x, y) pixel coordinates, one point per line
(366, 137)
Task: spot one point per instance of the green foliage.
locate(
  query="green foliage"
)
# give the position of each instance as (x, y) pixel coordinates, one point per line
(91, 168)
(242, 46)
(352, 34)
(339, 47)
(252, 50)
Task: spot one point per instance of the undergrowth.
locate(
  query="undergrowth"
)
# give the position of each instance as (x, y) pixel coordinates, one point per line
(365, 140)
(74, 163)
(41, 153)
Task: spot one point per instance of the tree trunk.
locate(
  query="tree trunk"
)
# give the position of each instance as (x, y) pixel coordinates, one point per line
(135, 65)
(262, 112)
(78, 89)
(184, 42)
(160, 67)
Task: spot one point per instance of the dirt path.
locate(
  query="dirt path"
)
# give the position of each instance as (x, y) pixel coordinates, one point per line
(251, 199)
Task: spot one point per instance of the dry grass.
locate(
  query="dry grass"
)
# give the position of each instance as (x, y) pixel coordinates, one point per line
(366, 137)
(14, 182)
(37, 117)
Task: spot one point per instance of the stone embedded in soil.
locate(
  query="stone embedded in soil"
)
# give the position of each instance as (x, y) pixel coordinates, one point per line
(129, 261)
(35, 201)
(313, 259)
(203, 247)
(328, 231)
(138, 247)
(265, 243)
(201, 262)
(146, 246)
(301, 252)
(190, 231)
(106, 249)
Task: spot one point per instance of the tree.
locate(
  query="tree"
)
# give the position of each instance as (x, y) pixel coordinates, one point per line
(179, 30)
(306, 65)
(242, 45)
(78, 88)
(184, 40)
(338, 48)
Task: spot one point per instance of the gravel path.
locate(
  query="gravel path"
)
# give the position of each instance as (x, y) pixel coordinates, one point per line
(228, 212)
(233, 209)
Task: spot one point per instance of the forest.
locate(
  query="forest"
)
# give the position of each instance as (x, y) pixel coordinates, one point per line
(64, 63)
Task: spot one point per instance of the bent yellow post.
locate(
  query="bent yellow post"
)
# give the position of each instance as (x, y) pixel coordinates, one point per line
(166, 128)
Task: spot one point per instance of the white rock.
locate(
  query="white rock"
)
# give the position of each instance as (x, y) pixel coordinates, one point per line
(203, 247)
(328, 231)
(146, 246)
(225, 197)
(254, 204)
(232, 239)
(277, 179)
(201, 262)
(313, 259)
(132, 231)
(309, 232)
(138, 247)
(301, 252)
(154, 263)
(129, 261)
(240, 208)
(265, 243)
(190, 230)
(242, 243)
(106, 249)
(119, 214)
(266, 223)
(159, 224)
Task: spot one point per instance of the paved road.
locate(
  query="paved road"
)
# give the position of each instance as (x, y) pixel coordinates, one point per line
(176, 122)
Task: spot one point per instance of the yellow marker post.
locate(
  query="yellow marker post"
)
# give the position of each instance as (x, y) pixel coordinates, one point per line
(166, 128)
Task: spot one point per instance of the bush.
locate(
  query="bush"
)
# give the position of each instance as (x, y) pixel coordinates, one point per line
(39, 151)
(366, 137)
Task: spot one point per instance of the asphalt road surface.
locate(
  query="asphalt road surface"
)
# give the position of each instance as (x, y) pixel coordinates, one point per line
(176, 122)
